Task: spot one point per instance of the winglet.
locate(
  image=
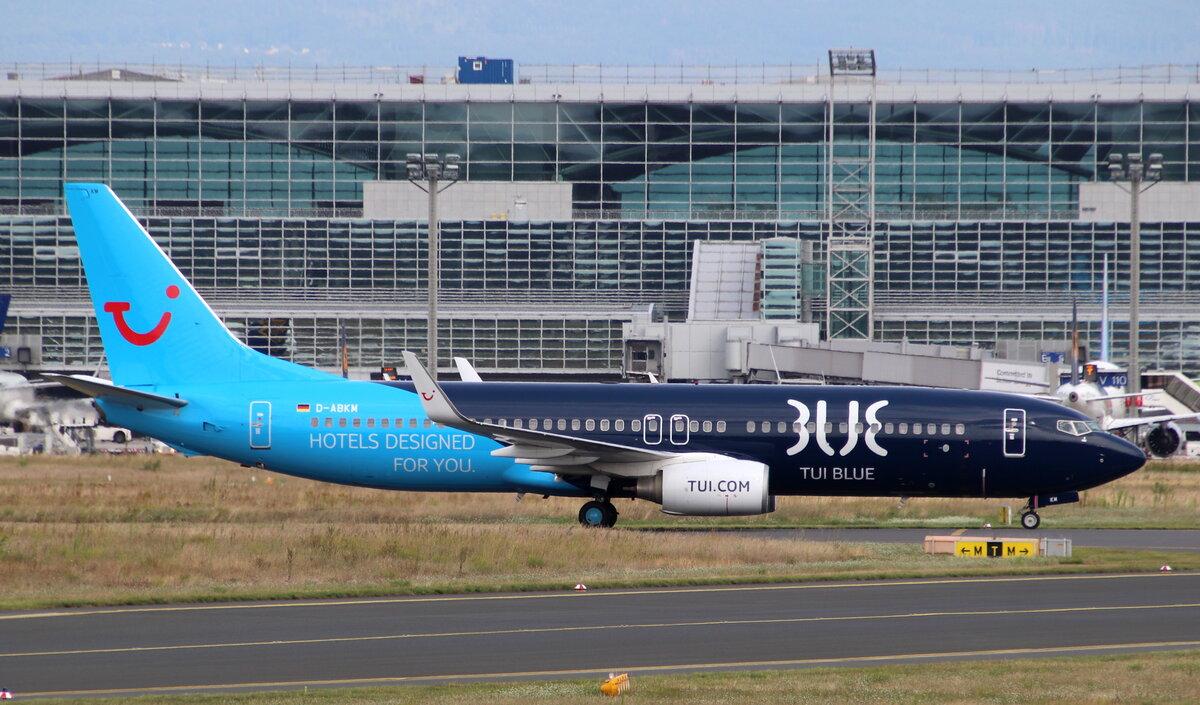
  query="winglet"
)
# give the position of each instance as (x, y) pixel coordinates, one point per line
(466, 372)
(437, 405)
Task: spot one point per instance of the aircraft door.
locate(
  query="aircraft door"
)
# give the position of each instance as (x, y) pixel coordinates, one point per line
(680, 432)
(1014, 433)
(652, 433)
(260, 424)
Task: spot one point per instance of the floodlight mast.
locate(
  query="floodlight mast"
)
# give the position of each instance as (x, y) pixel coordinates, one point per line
(1129, 167)
(430, 169)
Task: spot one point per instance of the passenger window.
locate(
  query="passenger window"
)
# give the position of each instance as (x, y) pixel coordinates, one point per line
(518, 423)
(357, 422)
(828, 427)
(619, 425)
(651, 424)
(960, 429)
(916, 429)
(427, 422)
(811, 426)
(412, 423)
(720, 427)
(371, 423)
(781, 428)
(589, 425)
(842, 427)
(315, 421)
(328, 422)
(945, 429)
(533, 424)
(888, 428)
(562, 424)
(858, 428)
(749, 427)
(875, 428)
(603, 424)
(342, 422)
(574, 424)
(708, 426)
(635, 425)
(383, 423)
(766, 426)
(903, 429)
(548, 424)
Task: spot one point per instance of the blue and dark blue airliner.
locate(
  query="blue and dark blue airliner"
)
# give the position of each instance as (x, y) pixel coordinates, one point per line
(180, 376)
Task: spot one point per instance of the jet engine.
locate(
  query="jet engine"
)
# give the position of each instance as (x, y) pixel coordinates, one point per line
(710, 485)
(1163, 440)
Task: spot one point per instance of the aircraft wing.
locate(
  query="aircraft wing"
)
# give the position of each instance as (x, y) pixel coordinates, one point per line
(1115, 424)
(542, 450)
(104, 389)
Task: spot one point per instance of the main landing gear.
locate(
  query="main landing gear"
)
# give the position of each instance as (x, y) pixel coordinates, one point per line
(598, 513)
(1030, 519)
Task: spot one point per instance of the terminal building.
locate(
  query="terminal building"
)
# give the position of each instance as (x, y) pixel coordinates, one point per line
(927, 207)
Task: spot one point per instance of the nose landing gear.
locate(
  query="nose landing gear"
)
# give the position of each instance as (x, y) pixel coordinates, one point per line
(1029, 515)
(598, 513)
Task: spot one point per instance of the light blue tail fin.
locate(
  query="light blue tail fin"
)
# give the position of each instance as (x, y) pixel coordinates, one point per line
(156, 328)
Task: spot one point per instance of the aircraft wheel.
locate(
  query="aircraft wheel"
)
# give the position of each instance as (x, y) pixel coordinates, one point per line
(598, 513)
(1031, 520)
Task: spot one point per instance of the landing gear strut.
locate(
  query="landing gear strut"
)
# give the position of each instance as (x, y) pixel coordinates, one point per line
(1029, 516)
(599, 513)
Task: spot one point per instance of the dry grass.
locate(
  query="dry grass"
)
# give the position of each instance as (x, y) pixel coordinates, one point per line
(171, 488)
(1152, 679)
(144, 528)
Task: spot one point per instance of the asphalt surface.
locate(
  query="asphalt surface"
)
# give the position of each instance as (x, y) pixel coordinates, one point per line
(210, 648)
(1186, 540)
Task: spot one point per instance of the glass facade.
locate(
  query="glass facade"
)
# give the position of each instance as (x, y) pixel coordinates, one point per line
(259, 198)
(651, 159)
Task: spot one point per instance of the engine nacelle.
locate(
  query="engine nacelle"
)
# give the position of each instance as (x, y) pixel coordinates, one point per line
(710, 485)
(1163, 440)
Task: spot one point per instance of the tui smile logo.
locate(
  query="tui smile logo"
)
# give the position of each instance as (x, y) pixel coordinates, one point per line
(118, 309)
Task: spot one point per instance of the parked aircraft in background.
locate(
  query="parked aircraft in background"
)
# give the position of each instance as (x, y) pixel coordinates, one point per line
(180, 376)
(1097, 389)
(1100, 393)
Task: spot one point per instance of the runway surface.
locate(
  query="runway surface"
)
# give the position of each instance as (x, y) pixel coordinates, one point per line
(1187, 540)
(206, 648)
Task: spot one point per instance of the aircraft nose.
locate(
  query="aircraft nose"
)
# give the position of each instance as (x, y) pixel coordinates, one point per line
(1121, 457)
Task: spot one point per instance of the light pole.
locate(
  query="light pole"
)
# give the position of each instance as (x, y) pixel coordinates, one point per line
(430, 169)
(1129, 167)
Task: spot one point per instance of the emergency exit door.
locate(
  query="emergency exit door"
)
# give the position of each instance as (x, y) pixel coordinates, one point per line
(260, 424)
(1014, 433)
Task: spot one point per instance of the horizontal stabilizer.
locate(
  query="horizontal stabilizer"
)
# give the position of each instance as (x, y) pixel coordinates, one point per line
(103, 389)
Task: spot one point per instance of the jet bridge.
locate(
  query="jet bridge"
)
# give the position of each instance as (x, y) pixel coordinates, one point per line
(865, 362)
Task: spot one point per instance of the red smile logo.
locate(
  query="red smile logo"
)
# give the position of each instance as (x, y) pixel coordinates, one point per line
(118, 309)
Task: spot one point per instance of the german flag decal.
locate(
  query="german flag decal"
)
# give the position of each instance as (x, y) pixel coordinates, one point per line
(302, 408)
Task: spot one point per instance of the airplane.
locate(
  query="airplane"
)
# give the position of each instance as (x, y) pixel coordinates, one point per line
(1100, 393)
(180, 376)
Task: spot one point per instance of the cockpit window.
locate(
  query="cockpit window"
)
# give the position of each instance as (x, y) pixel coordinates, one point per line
(1078, 428)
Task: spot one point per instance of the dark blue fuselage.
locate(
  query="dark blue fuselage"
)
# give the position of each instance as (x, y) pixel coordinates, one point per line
(927, 442)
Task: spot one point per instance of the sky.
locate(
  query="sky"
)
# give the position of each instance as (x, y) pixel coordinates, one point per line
(906, 34)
